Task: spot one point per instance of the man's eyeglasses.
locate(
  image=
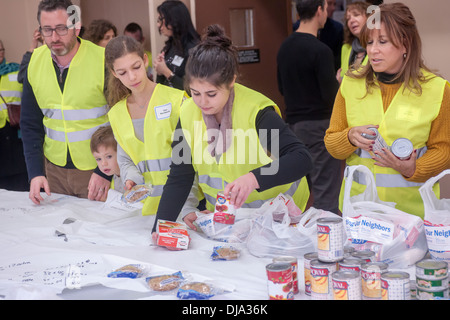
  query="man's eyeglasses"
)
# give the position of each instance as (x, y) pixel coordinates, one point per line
(60, 31)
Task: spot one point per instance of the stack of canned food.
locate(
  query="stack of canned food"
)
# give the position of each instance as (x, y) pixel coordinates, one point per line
(432, 280)
(338, 273)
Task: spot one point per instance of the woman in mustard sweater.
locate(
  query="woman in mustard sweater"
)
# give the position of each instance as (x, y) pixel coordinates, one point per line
(397, 94)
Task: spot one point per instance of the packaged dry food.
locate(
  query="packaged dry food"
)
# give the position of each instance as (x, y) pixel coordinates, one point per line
(172, 234)
(195, 291)
(132, 271)
(225, 212)
(165, 282)
(225, 253)
(137, 193)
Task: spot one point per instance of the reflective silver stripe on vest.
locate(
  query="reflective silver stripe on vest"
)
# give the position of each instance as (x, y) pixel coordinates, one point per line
(157, 191)
(154, 165)
(386, 180)
(11, 94)
(215, 183)
(71, 136)
(366, 155)
(75, 115)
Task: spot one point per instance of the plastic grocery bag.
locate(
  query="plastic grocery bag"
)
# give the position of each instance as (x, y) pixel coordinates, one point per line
(272, 233)
(396, 237)
(437, 219)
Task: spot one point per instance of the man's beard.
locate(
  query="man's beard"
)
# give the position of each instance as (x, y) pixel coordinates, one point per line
(65, 49)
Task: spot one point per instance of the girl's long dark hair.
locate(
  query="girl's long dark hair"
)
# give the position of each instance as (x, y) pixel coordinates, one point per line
(176, 15)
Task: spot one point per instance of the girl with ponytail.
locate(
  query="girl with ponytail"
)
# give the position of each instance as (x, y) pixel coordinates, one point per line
(232, 137)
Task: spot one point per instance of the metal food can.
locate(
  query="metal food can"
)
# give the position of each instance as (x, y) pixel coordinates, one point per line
(224, 212)
(395, 286)
(402, 148)
(321, 282)
(307, 258)
(350, 264)
(279, 281)
(427, 284)
(294, 264)
(431, 269)
(432, 294)
(413, 289)
(348, 251)
(379, 141)
(371, 279)
(330, 239)
(364, 255)
(346, 285)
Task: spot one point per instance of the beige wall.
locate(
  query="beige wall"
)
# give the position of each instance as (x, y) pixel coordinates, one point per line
(434, 28)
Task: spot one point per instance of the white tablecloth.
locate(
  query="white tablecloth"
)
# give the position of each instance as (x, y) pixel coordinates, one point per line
(64, 249)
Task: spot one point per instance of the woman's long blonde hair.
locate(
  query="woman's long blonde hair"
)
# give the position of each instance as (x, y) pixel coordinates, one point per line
(117, 48)
(401, 29)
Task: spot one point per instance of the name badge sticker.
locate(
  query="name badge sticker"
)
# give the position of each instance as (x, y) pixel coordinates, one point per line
(177, 61)
(163, 112)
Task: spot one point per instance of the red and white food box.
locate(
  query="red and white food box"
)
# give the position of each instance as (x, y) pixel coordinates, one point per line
(224, 212)
(172, 234)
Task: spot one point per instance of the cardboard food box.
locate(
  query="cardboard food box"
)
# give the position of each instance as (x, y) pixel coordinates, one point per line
(172, 234)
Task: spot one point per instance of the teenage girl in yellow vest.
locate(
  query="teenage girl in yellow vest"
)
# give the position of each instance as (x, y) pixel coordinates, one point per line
(353, 54)
(397, 94)
(143, 118)
(212, 122)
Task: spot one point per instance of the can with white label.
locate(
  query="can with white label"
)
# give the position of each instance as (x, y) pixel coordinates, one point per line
(321, 282)
(307, 258)
(402, 148)
(395, 286)
(379, 141)
(431, 269)
(371, 279)
(330, 239)
(346, 285)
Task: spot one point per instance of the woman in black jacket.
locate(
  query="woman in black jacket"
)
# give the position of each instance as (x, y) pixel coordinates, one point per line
(174, 22)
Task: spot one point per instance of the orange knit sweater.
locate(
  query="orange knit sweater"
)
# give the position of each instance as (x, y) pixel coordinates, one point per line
(434, 161)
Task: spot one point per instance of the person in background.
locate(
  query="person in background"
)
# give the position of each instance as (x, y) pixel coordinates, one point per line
(134, 30)
(309, 87)
(143, 117)
(273, 161)
(174, 22)
(353, 54)
(101, 32)
(13, 171)
(63, 104)
(332, 34)
(104, 150)
(397, 94)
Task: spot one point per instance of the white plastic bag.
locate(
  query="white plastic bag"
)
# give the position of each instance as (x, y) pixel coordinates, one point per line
(437, 220)
(396, 237)
(273, 234)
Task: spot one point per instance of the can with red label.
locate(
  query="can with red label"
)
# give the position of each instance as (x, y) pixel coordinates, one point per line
(321, 282)
(294, 263)
(279, 281)
(224, 212)
(330, 239)
(371, 279)
(346, 285)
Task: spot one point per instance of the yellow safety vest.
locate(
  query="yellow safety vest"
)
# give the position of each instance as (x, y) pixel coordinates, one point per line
(153, 156)
(408, 116)
(11, 91)
(70, 118)
(345, 58)
(244, 154)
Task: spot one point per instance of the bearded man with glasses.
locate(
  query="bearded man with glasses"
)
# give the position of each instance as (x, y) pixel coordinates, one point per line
(61, 109)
